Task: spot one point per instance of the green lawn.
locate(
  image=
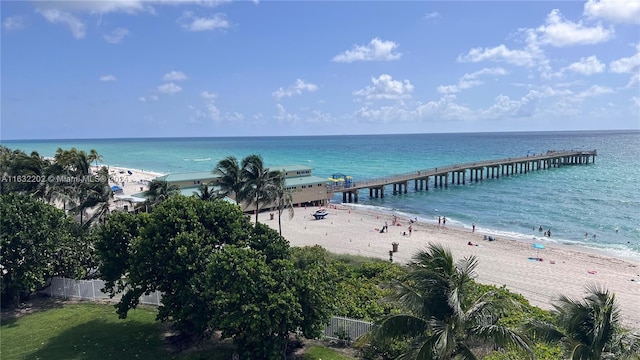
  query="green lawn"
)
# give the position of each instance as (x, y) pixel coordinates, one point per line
(89, 331)
(322, 353)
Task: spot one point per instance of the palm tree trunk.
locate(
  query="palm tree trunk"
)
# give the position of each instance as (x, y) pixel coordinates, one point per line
(257, 209)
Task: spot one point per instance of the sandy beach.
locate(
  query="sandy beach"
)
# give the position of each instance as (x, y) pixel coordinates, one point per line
(131, 181)
(349, 229)
(563, 270)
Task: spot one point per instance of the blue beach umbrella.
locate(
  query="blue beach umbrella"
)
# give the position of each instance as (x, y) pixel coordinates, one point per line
(537, 247)
(116, 188)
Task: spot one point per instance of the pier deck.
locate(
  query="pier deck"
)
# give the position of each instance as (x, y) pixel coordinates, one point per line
(461, 173)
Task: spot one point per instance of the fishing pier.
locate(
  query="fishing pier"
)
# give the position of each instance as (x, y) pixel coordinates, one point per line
(460, 173)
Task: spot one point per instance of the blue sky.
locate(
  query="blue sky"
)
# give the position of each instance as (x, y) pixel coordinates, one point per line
(132, 68)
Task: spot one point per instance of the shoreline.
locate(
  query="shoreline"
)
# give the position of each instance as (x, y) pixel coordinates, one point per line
(564, 269)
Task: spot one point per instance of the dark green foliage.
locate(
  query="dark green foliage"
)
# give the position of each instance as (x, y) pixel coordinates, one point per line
(439, 317)
(252, 301)
(37, 241)
(216, 272)
(316, 282)
(160, 190)
(358, 293)
(589, 329)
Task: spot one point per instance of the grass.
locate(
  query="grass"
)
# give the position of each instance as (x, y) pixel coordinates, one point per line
(323, 353)
(89, 331)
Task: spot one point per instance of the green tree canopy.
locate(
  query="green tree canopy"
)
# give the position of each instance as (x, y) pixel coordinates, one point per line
(215, 271)
(37, 241)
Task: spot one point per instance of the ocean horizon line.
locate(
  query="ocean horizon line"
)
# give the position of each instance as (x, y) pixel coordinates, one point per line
(522, 132)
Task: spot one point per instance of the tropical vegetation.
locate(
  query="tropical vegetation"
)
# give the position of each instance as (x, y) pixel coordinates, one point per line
(438, 316)
(219, 274)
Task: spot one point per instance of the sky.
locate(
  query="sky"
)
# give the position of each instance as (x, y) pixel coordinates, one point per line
(169, 68)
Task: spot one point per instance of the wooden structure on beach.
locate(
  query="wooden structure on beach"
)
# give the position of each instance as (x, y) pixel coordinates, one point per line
(459, 173)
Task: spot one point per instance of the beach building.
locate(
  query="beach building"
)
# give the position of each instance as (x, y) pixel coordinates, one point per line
(306, 189)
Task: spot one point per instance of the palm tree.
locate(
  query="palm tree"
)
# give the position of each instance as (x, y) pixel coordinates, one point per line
(258, 182)
(94, 156)
(204, 193)
(589, 328)
(282, 197)
(439, 317)
(229, 179)
(160, 190)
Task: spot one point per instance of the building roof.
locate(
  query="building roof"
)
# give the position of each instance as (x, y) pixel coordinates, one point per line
(304, 180)
(189, 176)
(208, 175)
(294, 167)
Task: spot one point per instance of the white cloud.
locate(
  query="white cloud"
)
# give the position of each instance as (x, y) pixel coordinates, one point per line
(295, 89)
(208, 95)
(122, 6)
(385, 114)
(284, 116)
(169, 88)
(595, 90)
(13, 23)
(470, 80)
(384, 87)
(627, 64)
(191, 22)
(376, 50)
(445, 108)
(150, 98)
(500, 53)
(116, 36)
(108, 77)
(559, 32)
(587, 66)
(431, 15)
(212, 111)
(619, 11)
(174, 76)
(75, 25)
(634, 81)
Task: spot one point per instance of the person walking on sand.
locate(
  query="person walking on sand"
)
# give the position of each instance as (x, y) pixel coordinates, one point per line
(473, 227)
(410, 229)
(444, 221)
(439, 220)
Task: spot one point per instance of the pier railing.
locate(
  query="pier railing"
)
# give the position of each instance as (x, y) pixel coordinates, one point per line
(460, 167)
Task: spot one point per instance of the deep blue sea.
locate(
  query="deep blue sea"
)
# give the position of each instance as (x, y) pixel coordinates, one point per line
(601, 198)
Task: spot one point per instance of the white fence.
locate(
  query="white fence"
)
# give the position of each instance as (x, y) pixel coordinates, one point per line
(339, 328)
(91, 290)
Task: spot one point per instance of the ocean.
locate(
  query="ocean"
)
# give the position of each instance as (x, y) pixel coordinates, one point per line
(602, 198)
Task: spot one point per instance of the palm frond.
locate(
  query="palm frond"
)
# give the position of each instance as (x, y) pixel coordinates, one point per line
(400, 325)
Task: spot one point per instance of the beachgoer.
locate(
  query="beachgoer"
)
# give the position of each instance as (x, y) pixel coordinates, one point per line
(540, 228)
(410, 229)
(549, 233)
(386, 227)
(439, 220)
(586, 234)
(444, 220)
(470, 243)
(594, 236)
(473, 227)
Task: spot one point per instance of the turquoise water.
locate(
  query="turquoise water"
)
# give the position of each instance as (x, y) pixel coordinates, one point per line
(601, 198)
